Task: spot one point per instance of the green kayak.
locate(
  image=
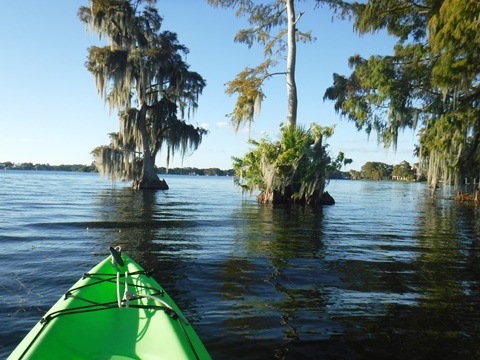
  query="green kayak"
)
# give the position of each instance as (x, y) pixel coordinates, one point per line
(115, 311)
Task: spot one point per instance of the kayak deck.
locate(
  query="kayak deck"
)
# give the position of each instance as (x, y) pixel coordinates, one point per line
(113, 315)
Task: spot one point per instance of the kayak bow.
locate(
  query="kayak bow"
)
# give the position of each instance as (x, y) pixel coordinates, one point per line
(115, 311)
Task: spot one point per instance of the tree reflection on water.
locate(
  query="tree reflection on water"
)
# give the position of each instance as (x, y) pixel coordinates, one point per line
(417, 299)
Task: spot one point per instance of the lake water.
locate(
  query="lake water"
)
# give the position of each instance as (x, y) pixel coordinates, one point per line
(386, 273)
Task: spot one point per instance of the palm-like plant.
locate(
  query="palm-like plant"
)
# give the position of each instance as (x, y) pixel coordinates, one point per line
(291, 170)
(142, 75)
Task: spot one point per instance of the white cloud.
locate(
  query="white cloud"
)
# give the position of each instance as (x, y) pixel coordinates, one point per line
(222, 124)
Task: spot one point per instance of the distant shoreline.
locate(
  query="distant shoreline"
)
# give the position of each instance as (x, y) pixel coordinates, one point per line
(91, 168)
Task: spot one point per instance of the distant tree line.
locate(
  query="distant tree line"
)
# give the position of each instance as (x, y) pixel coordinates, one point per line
(339, 175)
(381, 171)
(91, 168)
(369, 171)
(196, 171)
(47, 167)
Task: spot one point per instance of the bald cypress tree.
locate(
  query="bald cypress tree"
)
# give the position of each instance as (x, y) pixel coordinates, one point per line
(142, 75)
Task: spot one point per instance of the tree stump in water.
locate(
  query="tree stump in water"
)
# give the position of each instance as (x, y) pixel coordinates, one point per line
(157, 184)
(275, 197)
(465, 196)
(271, 197)
(327, 199)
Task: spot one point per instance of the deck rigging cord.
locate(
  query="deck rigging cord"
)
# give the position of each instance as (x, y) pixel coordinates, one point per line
(129, 296)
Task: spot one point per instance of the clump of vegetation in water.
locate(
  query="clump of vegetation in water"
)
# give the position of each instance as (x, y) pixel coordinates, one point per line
(291, 170)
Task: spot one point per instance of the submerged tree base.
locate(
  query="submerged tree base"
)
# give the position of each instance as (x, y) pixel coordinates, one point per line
(276, 197)
(465, 196)
(156, 184)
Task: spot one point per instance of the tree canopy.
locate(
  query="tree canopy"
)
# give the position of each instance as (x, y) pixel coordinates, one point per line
(376, 171)
(142, 75)
(273, 26)
(403, 171)
(430, 83)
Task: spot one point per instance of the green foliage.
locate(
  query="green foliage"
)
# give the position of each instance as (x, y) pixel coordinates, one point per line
(376, 171)
(248, 88)
(431, 80)
(403, 171)
(25, 166)
(248, 170)
(337, 164)
(355, 175)
(295, 167)
(269, 28)
(455, 40)
(376, 97)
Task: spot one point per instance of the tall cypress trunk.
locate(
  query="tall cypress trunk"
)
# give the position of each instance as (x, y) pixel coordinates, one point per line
(148, 178)
(291, 60)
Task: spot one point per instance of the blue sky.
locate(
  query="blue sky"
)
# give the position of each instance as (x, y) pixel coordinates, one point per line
(51, 112)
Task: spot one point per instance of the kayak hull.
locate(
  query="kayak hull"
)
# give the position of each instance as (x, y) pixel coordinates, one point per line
(87, 323)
